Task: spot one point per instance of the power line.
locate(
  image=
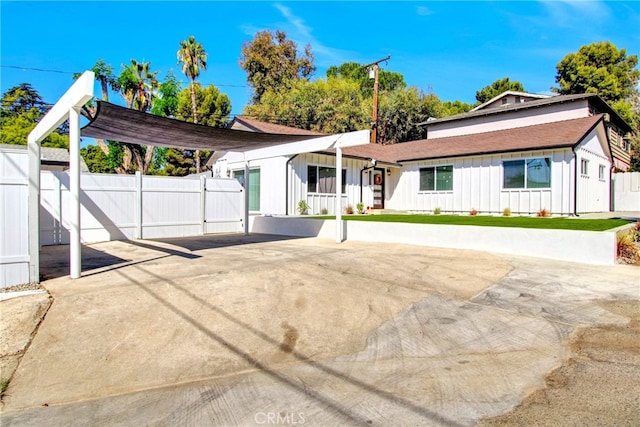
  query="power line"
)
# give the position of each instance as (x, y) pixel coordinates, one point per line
(44, 70)
(36, 69)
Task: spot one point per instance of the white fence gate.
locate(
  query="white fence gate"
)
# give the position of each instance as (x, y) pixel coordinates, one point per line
(626, 191)
(114, 207)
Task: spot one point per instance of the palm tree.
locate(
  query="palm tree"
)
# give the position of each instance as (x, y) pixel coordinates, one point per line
(138, 86)
(192, 57)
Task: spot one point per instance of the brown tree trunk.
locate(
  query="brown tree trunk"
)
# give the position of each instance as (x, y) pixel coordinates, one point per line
(194, 109)
(148, 158)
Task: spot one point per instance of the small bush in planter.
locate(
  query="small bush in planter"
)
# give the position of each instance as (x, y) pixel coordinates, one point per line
(473, 212)
(506, 212)
(349, 210)
(324, 211)
(360, 207)
(437, 211)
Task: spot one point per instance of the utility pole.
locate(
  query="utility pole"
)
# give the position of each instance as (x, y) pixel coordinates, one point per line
(373, 69)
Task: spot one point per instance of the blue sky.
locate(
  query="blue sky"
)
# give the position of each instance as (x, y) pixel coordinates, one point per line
(452, 48)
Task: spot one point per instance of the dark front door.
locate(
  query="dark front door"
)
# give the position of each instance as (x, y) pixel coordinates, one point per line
(378, 188)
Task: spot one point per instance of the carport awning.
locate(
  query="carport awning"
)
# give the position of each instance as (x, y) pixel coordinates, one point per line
(126, 125)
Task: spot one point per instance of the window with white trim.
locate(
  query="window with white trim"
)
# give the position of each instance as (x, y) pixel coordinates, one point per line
(322, 179)
(437, 178)
(584, 167)
(601, 171)
(527, 173)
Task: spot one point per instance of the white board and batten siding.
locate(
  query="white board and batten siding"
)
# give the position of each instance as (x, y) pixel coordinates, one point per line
(478, 184)
(283, 182)
(594, 183)
(298, 181)
(272, 179)
(14, 231)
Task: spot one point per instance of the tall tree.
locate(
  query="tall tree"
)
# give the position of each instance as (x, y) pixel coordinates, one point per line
(20, 111)
(213, 107)
(387, 80)
(496, 88)
(400, 112)
(604, 69)
(272, 63)
(213, 110)
(333, 105)
(104, 75)
(599, 68)
(138, 86)
(192, 57)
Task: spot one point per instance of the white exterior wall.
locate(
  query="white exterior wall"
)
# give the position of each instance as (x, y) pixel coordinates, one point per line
(477, 184)
(319, 201)
(272, 179)
(14, 226)
(510, 120)
(594, 193)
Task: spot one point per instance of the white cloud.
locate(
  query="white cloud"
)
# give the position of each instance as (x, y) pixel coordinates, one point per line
(302, 34)
(569, 13)
(424, 11)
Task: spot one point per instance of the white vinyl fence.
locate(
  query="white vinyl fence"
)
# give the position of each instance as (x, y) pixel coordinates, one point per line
(114, 207)
(626, 191)
(14, 227)
(122, 207)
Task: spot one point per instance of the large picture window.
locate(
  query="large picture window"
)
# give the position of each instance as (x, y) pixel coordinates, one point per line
(439, 178)
(322, 179)
(527, 173)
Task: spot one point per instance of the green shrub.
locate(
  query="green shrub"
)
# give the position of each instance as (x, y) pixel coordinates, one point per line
(437, 211)
(360, 207)
(303, 207)
(324, 211)
(506, 212)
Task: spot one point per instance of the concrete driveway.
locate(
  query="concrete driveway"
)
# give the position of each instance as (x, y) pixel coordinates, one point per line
(235, 330)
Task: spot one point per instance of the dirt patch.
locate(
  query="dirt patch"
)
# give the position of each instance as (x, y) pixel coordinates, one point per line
(597, 385)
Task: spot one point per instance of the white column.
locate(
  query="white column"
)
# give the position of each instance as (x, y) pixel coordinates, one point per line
(34, 209)
(75, 258)
(246, 197)
(338, 195)
(203, 204)
(138, 181)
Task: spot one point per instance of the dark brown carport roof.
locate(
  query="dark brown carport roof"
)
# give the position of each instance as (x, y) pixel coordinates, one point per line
(126, 125)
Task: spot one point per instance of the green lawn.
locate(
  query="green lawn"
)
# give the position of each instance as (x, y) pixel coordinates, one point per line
(491, 221)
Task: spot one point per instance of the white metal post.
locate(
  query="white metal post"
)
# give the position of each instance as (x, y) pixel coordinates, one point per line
(138, 181)
(246, 197)
(203, 204)
(75, 258)
(34, 209)
(338, 194)
(73, 99)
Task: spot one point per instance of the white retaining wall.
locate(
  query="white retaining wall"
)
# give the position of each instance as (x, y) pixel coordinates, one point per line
(567, 245)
